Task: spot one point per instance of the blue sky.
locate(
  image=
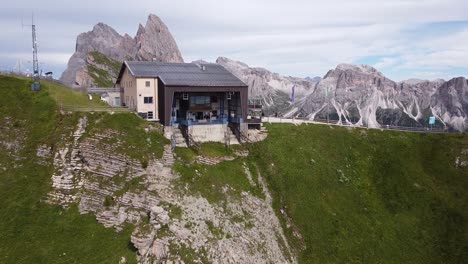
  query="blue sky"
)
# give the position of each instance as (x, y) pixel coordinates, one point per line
(425, 39)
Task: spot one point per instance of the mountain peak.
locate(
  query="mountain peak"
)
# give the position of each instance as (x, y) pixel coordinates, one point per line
(100, 25)
(152, 41)
(225, 61)
(363, 68)
(103, 30)
(154, 18)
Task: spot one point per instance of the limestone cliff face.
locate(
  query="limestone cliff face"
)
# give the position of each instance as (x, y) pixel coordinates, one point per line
(165, 214)
(450, 103)
(272, 88)
(359, 95)
(152, 42)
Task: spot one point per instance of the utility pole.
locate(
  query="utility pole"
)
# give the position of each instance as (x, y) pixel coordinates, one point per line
(36, 76)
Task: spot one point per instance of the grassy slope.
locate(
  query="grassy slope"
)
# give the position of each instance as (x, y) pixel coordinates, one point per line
(367, 196)
(208, 181)
(32, 231)
(103, 78)
(67, 96)
(136, 142)
(355, 195)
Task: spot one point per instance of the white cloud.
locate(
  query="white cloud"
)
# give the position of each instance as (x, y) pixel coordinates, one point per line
(440, 52)
(386, 62)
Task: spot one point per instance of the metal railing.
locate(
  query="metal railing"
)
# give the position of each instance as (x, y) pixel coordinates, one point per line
(254, 120)
(239, 135)
(192, 142)
(101, 90)
(80, 108)
(336, 122)
(189, 138)
(173, 142)
(255, 106)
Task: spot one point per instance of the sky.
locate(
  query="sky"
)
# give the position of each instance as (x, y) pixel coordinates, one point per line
(424, 39)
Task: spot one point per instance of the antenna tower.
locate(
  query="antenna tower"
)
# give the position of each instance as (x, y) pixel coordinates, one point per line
(35, 62)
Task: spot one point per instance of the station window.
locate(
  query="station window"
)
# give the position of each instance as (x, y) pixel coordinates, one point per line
(148, 100)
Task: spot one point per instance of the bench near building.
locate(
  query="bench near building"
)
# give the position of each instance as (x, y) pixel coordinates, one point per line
(204, 101)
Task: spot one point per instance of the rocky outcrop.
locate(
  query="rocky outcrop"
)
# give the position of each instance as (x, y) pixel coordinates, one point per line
(170, 221)
(273, 89)
(155, 42)
(360, 95)
(67, 179)
(152, 42)
(450, 103)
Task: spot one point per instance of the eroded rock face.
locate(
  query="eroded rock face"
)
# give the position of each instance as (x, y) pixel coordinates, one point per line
(168, 218)
(358, 95)
(450, 103)
(361, 95)
(352, 92)
(152, 42)
(272, 88)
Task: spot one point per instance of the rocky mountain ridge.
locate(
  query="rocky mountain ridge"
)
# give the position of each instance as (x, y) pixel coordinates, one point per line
(362, 96)
(359, 95)
(152, 42)
(273, 89)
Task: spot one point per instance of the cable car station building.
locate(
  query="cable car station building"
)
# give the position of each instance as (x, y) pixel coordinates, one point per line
(184, 94)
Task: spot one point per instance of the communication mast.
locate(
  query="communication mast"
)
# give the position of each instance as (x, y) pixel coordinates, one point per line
(36, 76)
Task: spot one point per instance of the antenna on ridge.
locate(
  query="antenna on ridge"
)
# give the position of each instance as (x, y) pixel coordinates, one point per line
(36, 76)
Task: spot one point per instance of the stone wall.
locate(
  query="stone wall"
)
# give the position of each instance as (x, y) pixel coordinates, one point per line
(208, 133)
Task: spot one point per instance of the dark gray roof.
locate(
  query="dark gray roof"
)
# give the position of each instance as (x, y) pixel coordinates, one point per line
(184, 74)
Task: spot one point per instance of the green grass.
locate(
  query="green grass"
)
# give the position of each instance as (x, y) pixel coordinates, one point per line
(355, 195)
(187, 155)
(67, 96)
(208, 181)
(32, 231)
(63, 95)
(210, 149)
(103, 78)
(189, 255)
(102, 59)
(175, 212)
(134, 140)
(367, 196)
